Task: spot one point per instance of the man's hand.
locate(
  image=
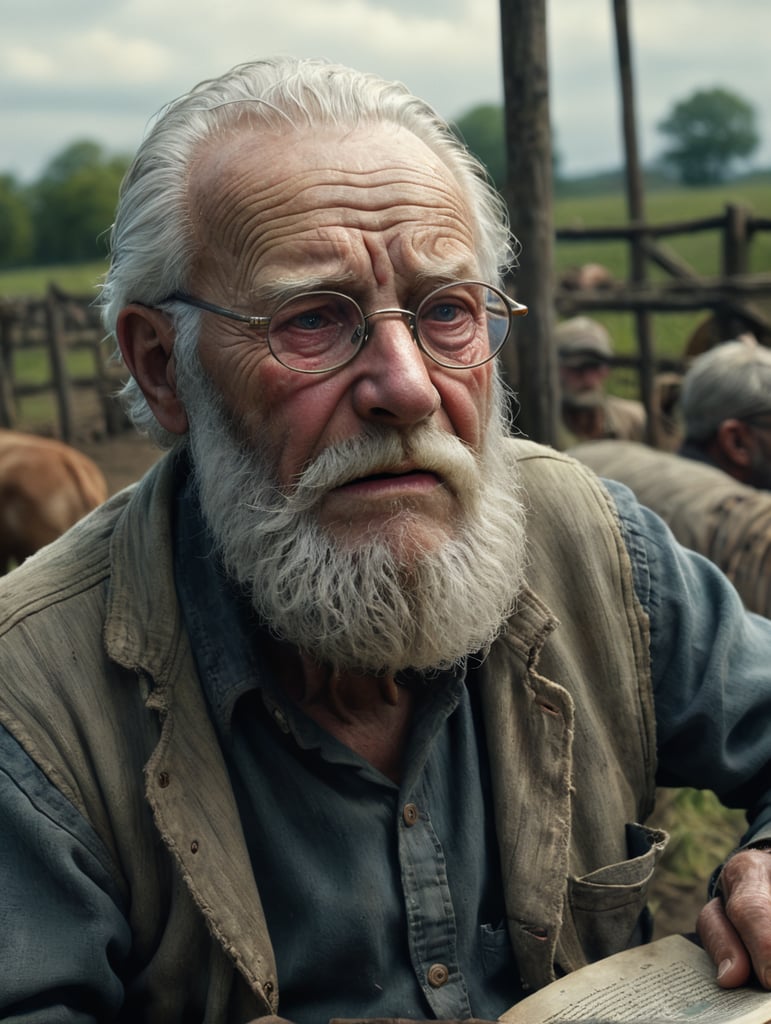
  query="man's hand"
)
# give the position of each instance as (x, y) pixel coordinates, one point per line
(735, 928)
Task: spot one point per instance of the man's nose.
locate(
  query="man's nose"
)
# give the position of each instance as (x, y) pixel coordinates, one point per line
(394, 379)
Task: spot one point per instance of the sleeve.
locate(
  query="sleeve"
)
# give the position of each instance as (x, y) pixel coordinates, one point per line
(711, 669)
(63, 934)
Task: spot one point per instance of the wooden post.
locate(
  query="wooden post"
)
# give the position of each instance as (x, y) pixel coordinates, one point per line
(531, 366)
(635, 206)
(60, 377)
(735, 241)
(7, 398)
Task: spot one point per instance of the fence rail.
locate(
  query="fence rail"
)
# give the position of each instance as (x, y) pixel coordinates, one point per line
(55, 326)
(734, 297)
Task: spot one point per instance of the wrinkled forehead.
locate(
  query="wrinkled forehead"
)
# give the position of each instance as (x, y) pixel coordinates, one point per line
(253, 191)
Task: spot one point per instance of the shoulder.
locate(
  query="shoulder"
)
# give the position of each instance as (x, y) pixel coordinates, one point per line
(572, 513)
(542, 467)
(626, 416)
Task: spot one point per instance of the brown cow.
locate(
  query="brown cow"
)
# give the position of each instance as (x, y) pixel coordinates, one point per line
(45, 487)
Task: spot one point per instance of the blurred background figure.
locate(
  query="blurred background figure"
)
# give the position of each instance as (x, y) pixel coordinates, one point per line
(725, 405)
(588, 412)
(707, 510)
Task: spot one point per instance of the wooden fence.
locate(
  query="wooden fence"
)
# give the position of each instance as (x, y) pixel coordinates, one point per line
(55, 326)
(734, 300)
(733, 296)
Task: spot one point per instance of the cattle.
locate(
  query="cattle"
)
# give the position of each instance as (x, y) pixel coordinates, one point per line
(45, 487)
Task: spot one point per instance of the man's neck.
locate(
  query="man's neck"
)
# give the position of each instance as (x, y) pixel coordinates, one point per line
(370, 714)
(586, 422)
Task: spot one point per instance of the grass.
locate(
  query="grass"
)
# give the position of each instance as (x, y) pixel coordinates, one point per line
(702, 831)
(32, 282)
(702, 251)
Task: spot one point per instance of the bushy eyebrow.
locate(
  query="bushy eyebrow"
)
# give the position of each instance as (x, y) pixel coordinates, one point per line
(273, 293)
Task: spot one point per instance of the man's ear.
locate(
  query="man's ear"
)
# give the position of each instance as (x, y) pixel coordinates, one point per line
(736, 442)
(146, 339)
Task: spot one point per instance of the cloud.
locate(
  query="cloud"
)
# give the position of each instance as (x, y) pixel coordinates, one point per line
(89, 69)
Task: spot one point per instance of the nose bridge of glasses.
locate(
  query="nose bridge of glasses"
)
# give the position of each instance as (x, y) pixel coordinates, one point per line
(393, 313)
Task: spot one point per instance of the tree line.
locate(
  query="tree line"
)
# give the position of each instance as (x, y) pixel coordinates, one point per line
(707, 135)
(65, 215)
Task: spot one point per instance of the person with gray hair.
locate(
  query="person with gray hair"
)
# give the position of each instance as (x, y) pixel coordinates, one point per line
(725, 405)
(355, 705)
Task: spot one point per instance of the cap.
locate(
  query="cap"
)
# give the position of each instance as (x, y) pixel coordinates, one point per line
(580, 339)
(730, 381)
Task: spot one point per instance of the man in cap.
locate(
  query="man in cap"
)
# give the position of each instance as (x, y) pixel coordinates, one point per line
(726, 411)
(584, 352)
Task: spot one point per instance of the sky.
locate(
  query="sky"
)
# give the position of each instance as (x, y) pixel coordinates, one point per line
(82, 69)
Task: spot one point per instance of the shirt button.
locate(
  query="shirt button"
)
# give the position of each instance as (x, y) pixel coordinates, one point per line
(438, 975)
(410, 815)
(280, 719)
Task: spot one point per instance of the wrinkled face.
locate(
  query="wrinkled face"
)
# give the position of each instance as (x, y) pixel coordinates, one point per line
(369, 212)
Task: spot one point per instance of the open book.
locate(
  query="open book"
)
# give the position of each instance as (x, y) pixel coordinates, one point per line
(670, 981)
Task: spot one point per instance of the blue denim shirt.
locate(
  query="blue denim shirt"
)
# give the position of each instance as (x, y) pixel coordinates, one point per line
(438, 891)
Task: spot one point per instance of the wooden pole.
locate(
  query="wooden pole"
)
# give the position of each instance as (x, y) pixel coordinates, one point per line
(57, 355)
(635, 207)
(530, 364)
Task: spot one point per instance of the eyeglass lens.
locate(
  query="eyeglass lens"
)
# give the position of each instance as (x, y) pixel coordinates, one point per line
(458, 325)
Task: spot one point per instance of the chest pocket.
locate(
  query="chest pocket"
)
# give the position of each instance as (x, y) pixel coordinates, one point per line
(609, 905)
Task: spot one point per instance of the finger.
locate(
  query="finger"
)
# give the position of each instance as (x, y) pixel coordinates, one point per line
(721, 940)
(745, 883)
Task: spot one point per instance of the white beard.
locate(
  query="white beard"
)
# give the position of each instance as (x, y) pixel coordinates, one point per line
(593, 398)
(361, 608)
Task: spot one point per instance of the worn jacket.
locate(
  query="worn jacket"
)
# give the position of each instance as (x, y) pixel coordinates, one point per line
(98, 686)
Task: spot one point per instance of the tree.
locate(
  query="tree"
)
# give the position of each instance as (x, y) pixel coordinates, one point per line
(482, 129)
(709, 131)
(74, 202)
(16, 235)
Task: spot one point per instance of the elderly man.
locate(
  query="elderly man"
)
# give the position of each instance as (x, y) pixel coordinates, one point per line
(725, 405)
(354, 706)
(589, 413)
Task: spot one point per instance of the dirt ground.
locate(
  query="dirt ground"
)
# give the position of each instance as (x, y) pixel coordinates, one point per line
(123, 458)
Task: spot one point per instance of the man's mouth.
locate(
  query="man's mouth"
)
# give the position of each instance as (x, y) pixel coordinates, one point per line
(411, 479)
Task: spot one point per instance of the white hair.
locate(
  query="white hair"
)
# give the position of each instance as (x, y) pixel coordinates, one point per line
(730, 381)
(152, 242)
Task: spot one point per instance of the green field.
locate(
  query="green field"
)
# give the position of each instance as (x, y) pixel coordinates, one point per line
(701, 251)
(29, 282)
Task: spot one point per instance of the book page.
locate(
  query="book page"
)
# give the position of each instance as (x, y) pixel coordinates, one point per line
(671, 981)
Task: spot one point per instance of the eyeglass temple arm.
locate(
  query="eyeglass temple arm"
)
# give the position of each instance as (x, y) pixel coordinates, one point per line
(515, 308)
(189, 300)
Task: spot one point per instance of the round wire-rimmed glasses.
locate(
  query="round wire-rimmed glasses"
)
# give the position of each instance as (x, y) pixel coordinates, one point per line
(459, 326)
